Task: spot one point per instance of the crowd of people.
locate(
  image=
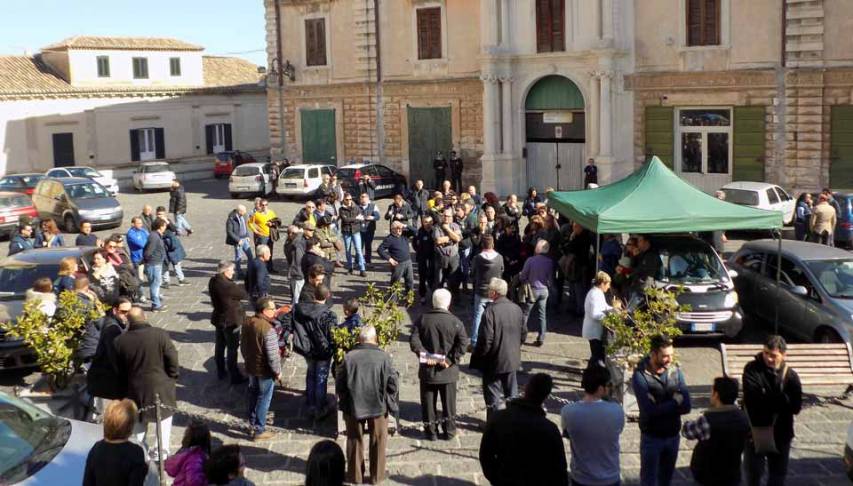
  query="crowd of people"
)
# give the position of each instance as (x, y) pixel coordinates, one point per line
(816, 221)
(469, 250)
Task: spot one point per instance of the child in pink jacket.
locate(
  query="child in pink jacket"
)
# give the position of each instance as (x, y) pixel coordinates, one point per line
(187, 466)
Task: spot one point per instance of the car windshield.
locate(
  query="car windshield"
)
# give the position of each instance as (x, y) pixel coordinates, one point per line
(741, 196)
(86, 191)
(155, 169)
(32, 180)
(29, 438)
(83, 172)
(689, 264)
(835, 276)
(17, 277)
(13, 202)
(223, 156)
(246, 171)
(293, 174)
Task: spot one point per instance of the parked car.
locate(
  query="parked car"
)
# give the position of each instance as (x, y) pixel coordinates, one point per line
(72, 200)
(17, 274)
(13, 205)
(692, 264)
(25, 183)
(388, 182)
(814, 298)
(302, 179)
(110, 183)
(844, 225)
(226, 162)
(153, 175)
(762, 196)
(253, 178)
(40, 448)
(848, 452)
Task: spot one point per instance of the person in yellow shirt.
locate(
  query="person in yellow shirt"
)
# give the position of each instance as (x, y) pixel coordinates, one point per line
(259, 226)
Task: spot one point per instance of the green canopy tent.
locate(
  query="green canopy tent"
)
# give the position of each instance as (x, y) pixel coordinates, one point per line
(655, 200)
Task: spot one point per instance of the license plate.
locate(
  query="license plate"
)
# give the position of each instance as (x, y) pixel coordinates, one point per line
(290, 186)
(104, 218)
(702, 327)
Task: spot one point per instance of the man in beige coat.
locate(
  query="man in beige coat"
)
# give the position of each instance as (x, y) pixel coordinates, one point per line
(823, 221)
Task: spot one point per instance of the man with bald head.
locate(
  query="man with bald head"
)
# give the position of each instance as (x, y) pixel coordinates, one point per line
(237, 234)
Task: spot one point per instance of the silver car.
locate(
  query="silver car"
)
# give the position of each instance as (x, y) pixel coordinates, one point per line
(813, 300)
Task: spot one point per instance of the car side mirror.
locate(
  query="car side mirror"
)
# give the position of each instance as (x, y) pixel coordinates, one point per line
(800, 290)
(733, 273)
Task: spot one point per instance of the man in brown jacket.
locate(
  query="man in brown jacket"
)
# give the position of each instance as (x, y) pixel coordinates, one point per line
(823, 221)
(259, 345)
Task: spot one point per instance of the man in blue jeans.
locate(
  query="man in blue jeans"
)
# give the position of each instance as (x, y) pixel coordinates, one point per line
(153, 256)
(352, 220)
(237, 234)
(312, 324)
(259, 346)
(663, 398)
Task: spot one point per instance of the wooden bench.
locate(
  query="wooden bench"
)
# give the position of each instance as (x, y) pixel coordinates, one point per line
(818, 365)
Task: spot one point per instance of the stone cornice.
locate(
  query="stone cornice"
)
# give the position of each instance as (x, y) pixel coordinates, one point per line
(701, 80)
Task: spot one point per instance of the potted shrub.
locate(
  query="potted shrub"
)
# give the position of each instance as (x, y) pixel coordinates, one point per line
(54, 339)
(629, 337)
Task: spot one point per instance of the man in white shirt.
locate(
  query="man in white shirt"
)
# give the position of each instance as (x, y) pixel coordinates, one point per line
(593, 426)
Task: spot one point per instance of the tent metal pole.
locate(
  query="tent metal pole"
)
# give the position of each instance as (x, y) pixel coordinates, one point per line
(597, 248)
(777, 234)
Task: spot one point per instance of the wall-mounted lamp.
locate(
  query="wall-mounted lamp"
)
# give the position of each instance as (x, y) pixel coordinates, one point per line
(275, 72)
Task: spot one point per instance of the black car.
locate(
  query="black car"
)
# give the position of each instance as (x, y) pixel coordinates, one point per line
(388, 182)
(72, 200)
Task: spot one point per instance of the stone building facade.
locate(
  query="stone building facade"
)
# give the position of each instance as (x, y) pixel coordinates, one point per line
(773, 84)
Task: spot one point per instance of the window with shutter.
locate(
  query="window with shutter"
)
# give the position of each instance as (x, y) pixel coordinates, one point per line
(550, 25)
(703, 22)
(140, 68)
(315, 42)
(429, 33)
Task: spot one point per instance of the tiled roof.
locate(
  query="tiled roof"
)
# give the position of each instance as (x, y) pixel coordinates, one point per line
(23, 76)
(124, 43)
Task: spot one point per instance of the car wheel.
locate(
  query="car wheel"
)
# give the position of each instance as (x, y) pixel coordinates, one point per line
(827, 336)
(70, 225)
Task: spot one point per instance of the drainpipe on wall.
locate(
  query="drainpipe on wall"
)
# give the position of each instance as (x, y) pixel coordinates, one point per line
(380, 125)
(781, 103)
(281, 130)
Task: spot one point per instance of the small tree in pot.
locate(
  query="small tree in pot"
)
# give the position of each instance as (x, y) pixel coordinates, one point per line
(629, 336)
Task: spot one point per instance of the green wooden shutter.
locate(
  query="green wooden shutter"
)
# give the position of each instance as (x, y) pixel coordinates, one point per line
(749, 144)
(319, 143)
(659, 133)
(159, 143)
(841, 147)
(134, 145)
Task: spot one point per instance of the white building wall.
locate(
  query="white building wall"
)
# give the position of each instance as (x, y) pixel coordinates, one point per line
(101, 127)
(84, 68)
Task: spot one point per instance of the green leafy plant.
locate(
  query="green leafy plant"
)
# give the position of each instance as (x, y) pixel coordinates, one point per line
(631, 331)
(385, 310)
(54, 340)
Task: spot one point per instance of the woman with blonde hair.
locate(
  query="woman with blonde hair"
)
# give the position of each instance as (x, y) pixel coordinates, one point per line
(65, 277)
(595, 309)
(115, 460)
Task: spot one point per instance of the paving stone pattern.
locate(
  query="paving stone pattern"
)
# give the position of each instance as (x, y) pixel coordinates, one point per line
(816, 456)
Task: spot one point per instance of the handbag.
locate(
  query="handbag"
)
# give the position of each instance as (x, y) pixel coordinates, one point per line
(763, 440)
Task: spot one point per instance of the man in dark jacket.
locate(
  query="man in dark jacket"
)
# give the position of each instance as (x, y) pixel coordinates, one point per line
(395, 249)
(439, 341)
(86, 237)
(366, 186)
(147, 216)
(103, 380)
(178, 208)
(772, 395)
(498, 351)
(456, 168)
(425, 253)
(312, 338)
(722, 432)
(147, 356)
(368, 226)
(663, 398)
(367, 386)
(400, 211)
(153, 256)
(258, 276)
(175, 254)
(259, 345)
(315, 278)
(439, 166)
(294, 250)
(648, 264)
(22, 240)
(351, 223)
(418, 198)
(521, 446)
(237, 234)
(488, 264)
(227, 317)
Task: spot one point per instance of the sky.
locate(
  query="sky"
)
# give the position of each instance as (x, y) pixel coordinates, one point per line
(222, 27)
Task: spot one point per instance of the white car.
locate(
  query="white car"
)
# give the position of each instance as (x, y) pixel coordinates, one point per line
(254, 178)
(302, 180)
(153, 175)
(109, 183)
(761, 195)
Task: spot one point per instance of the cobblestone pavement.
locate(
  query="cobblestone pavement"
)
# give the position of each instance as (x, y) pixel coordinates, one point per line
(816, 456)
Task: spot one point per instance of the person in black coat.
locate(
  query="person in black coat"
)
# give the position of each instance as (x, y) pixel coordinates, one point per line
(227, 317)
(258, 276)
(457, 166)
(103, 380)
(314, 255)
(115, 459)
(498, 351)
(147, 356)
(521, 446)
(772, 395)
(439, 165)
(178, 208)
(400, 211)
(418, 198)
(366, 186)
(86, 238)
(439, 341)
(154, 255)
(294, 251)
(425, 254)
